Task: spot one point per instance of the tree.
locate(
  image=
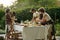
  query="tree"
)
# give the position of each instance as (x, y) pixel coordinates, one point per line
(35, 3)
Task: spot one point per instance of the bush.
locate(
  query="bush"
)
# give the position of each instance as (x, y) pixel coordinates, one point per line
(54, 13)
(58, 34)
(25, 14)
(2, 19)
(1, 14)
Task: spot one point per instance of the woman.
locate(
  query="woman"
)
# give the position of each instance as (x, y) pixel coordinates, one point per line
(46, 19)
(8, 23)
(8, 19)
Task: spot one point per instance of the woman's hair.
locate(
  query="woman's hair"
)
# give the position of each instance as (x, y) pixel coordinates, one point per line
(7, 10)
(41, 10)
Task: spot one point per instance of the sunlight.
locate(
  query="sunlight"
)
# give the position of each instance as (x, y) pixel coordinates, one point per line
(7, 2)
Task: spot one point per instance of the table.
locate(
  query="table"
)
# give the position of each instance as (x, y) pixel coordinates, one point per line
(18, 28)
(34, 33)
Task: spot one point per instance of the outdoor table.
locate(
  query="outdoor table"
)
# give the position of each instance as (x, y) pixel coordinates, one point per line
(35, 33)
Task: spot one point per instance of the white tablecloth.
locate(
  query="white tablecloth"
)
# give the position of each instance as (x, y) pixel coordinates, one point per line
(18, 28)
(33, 33)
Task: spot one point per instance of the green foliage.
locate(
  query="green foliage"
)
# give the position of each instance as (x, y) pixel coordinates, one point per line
(25, 14)
(23, 4)
(2, 19)
(2, 31)
(1, 14)
(58, 26)
(2, 23)
(57, 29)
(54, 13)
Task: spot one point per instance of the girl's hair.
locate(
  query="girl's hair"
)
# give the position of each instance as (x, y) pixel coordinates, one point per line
(32, 10)
(14, 13)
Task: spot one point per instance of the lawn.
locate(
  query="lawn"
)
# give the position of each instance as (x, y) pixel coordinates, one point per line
(2, 31)
(57, 26)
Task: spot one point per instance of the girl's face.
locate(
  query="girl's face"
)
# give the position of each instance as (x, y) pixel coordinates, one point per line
(33, 11)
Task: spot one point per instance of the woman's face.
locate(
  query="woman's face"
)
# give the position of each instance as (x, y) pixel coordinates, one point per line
(41, 12)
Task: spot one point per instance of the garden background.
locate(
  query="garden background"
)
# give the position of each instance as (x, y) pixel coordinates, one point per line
(22, 9)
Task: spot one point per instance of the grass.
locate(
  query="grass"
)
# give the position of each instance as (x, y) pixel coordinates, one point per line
(57, 29)
(2, 31)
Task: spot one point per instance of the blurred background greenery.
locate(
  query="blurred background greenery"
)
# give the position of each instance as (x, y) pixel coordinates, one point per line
(22, 9)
